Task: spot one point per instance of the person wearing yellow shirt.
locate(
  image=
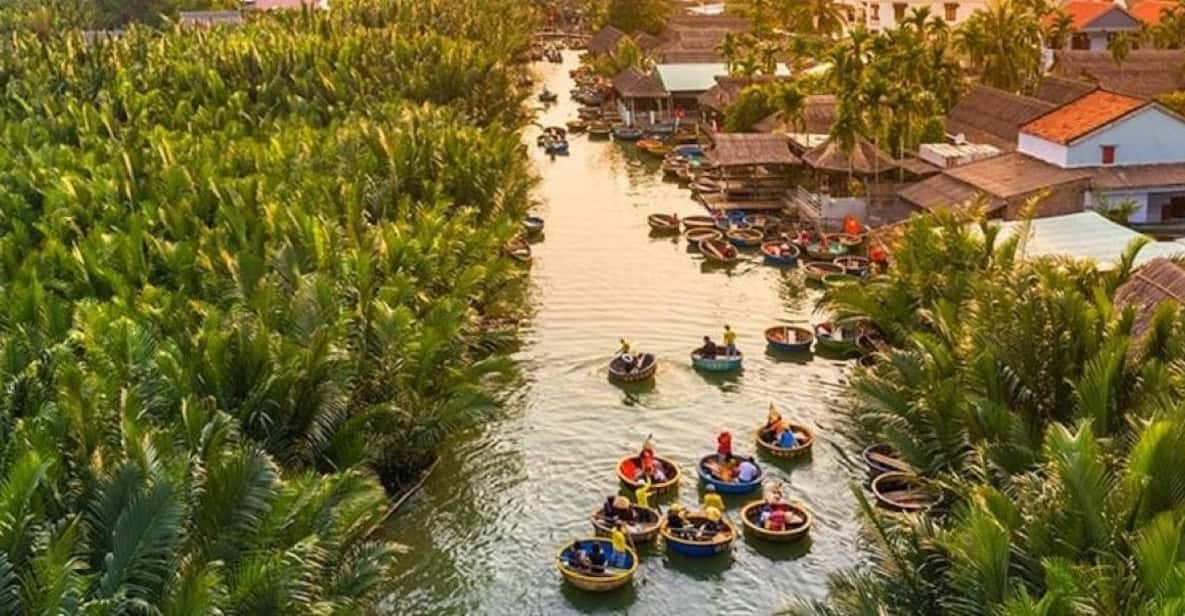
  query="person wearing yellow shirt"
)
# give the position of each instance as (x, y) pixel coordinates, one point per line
(618, 538)
(712, 499)
(642, 495)
(730, 341)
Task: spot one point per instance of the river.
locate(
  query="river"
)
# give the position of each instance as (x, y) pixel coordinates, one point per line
(485, 528)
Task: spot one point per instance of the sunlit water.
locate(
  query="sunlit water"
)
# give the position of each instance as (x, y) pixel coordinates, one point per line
(485, 529)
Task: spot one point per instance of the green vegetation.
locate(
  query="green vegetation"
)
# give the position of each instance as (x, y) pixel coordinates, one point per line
(1054, 420)
(631, 16)
(244, 272)
(626, 55)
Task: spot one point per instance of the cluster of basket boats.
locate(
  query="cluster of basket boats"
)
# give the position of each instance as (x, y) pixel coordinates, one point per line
(893, 483)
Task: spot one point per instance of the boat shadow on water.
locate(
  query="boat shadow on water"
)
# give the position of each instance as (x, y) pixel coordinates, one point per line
(779, 552)
(614, 601)
(789, 357)
(704, 568)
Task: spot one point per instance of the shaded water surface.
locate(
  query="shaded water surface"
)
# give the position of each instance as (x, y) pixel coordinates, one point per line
(485, 529)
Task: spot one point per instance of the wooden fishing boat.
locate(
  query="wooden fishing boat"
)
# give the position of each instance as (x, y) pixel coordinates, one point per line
(588, 113)
(557, 146)
(643, 529)
(789, 339)
(745, 238)
(629, 466)
(686, 545)
(718, 251)
(856, 266)
(533, 224)
(836, 339)
(519, 250)
(644, 368)
(627, 133)
(816, 270)
(905, 492)
(610, 579)
(655, 147)
(705, 186)
(781, 254)
(881, 458)
(804, 440)
(695, 236)
(727, 487)
(798, 522)
(720, 363)
(577, 126)
(699, 222)
(663, 223)
(598, 130)
(839, 279)
(828, 252)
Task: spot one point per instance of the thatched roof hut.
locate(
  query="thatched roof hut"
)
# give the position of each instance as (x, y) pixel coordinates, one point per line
(750, 149)
(865, 158)
(1157, 282)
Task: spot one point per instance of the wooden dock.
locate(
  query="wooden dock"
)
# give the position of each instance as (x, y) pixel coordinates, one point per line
(718, 202)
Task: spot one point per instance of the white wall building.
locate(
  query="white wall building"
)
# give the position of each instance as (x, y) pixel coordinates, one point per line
(886, 14)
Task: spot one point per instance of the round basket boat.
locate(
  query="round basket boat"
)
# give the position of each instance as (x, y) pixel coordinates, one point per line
(577, 126)
(644, 368)
(519, 250)
(699, 222)
(628, 466)
(533, 224)
(695, 235)
(789, 339)
(881, 458)
(663, 223)
(718, 251)
(746, 238)
(627, 133)
(905, 492)
(611, 579)
(643, 529)
(705, 185)
(781, 254)
(698, 548)
(751, 518)
(849, 240)
(835, 339)
(816, 270)
(762, 220)
(838, 279)
(856, 266)
(728, 487)
(720, 363)
(826, 253)
(598, 130)
(804, 439)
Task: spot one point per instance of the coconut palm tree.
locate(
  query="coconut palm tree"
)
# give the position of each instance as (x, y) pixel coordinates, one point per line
(1003, 45)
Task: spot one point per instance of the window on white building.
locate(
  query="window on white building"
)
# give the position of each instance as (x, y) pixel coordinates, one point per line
(1108, 154)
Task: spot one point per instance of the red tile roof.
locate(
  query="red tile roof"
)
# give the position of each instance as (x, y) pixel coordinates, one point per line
(1082, 116)
(1150, 11)
(1081, 12)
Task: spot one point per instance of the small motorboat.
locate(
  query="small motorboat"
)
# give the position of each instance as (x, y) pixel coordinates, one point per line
(789, 339)
(519, 250)
(577, 126)
(745, 238)
(699, 222)
(827, 251)
(798, 521)
(905, 492)
(856, 266)
(627, 133)
(598, 130)
(881, 458)
(629, 468)
(781, 254)
(804, 440)
(711, 478)
(718, 251)
(836, 280)
(836, 339)
(686, 542)
(642, 529)
(698, 234)
(816, 270)
(663, 223)
(611, 578)
(547, 96)
(720, 363)
(644, 367)
(533, 224)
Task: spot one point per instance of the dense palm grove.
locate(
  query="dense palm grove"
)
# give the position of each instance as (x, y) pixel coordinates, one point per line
(244, 275)
(1054, 425)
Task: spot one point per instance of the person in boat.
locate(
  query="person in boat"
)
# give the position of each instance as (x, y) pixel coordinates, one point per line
(710, 350)
(597, 559)
(642, 494)
(622, 511)
(786, 437)
(879, 257)
(713, 526)
(723, 446)
(676, 519)
(776, 519)
(618, 538)
(629, 360)
(580, 558)
(608, 511)
(712, 499)
(730, 342)
(774, 424)
(747, 471)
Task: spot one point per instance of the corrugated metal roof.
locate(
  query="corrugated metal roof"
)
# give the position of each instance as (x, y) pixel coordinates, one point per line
(1084, 235)
(699, 77)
